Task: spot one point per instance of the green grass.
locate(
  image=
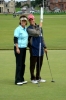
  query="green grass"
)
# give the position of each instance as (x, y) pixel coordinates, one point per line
(55, 31)
(46, 91)
(18, 9)
(54, 27)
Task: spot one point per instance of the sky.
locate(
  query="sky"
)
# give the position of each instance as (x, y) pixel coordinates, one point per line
(15, 0)
(18, 0)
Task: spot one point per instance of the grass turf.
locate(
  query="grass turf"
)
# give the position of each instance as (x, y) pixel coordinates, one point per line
(54, 27)
(46, 91)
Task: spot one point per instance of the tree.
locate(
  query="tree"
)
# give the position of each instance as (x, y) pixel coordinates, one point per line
(39, 1)
(18, 4)
(33, 3)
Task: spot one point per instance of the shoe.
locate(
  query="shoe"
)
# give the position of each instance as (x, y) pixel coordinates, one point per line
(41, 80)
(24, 82)
(19, 83)
(34, 81)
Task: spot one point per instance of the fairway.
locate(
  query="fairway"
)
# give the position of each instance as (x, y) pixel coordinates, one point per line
(54, 32)
(46, 91)
(54, 27)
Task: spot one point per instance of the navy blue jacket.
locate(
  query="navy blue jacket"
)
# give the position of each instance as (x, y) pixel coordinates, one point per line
(35, 38)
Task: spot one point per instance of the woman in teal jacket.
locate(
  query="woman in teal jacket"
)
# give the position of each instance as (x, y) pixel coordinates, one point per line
(20, 44)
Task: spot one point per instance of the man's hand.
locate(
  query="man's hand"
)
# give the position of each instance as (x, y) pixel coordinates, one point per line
(45, 50)
(40, 24)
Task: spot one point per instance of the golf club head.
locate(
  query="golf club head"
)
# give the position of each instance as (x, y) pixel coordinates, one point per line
(38, 84)
(52, 81)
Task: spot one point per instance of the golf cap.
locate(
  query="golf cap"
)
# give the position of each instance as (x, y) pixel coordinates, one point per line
(23, 17)
(30, 16)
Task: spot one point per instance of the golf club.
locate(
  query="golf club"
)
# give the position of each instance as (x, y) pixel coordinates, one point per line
(49, 68)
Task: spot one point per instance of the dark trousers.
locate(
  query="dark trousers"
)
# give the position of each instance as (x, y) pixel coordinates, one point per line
(35, 61)
(20, 65)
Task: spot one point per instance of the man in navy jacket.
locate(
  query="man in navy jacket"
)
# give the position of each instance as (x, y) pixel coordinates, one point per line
(35, 33)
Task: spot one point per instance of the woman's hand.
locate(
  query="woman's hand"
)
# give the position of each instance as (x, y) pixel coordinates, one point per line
(17, 50)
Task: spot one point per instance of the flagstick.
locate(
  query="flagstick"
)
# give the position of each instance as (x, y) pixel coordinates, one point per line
(41, 20)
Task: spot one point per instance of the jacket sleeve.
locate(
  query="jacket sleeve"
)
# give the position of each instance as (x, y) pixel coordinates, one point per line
(15, 40)
(43, 38)
(33, 32)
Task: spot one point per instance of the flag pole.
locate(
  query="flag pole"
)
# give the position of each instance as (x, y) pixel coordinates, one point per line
(41, 20)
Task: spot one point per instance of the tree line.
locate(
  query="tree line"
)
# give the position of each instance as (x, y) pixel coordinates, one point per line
(33, 3)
